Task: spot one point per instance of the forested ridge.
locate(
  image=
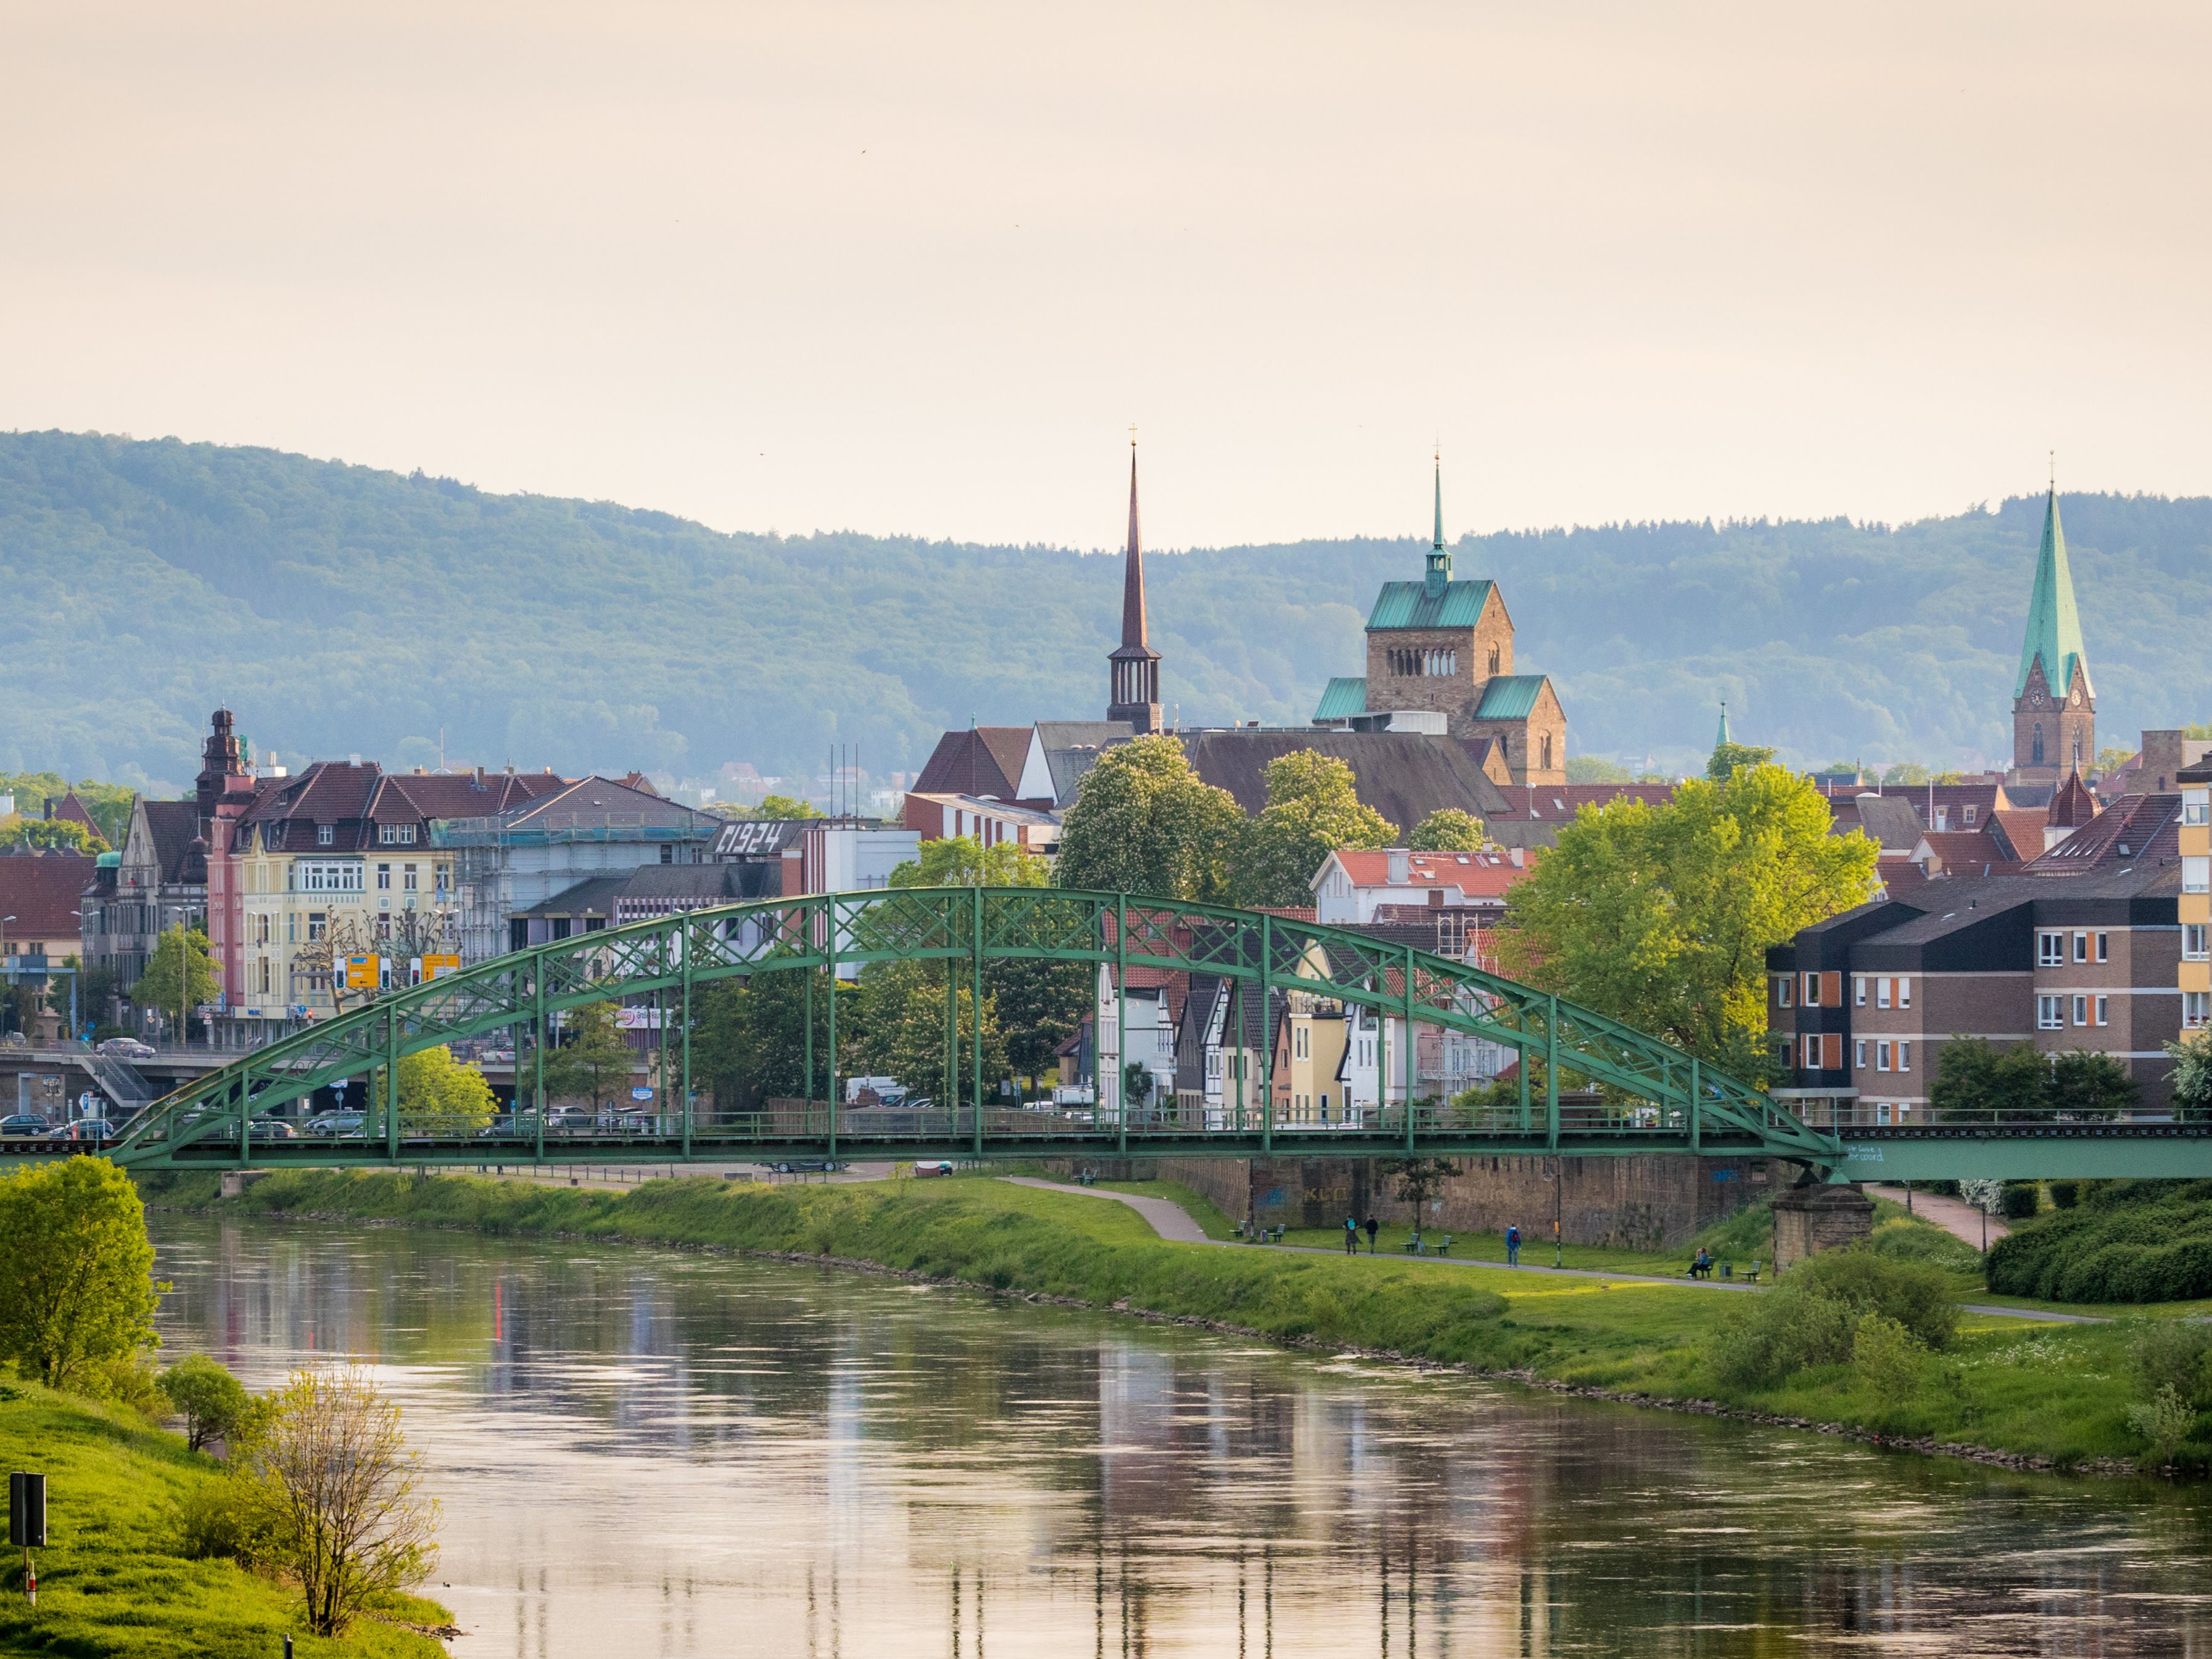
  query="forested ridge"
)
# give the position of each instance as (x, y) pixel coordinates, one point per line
(343, 609)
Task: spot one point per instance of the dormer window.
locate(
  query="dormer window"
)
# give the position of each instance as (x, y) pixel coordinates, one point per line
(395, 834)
(326, 834)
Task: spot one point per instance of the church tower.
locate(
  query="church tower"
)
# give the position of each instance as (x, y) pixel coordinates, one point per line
(2054, 706)
(1133, 667)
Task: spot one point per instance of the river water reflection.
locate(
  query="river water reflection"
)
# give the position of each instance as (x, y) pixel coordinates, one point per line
(644, 1452)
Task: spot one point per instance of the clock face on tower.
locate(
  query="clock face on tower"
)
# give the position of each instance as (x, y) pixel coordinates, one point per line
(2036, 700)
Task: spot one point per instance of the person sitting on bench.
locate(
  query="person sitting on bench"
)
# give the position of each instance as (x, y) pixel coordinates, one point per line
(1703, 1266)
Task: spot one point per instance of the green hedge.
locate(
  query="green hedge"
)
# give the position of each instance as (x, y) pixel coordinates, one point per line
(2124, 1241)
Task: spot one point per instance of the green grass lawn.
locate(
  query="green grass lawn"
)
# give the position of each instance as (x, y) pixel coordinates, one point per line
(2055, 1391)
(111, 1580)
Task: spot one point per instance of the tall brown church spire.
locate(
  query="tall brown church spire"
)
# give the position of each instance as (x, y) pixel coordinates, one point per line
(1133, 667)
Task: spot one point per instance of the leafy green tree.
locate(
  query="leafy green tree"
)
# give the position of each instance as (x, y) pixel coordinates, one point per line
(1418, 1180)
(901, 1019)
(777, 808)
(179, 976)
(433, 1086)
(1313, 809)
(964, 861)
(1904, 772)
(2086, 1084)
(593, 1062)
(751, 1034)
(341, 1493)
(213, 1403)
(1662, 916)
(1977, 1082)
(1728, 758)
(1447, 830)
(1143, 822)
(52, 835)
(2191, 1075)
(77, 1278)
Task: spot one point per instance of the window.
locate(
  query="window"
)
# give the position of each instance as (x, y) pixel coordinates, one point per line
(1858, 990)
(1812, 1052)
(2193, 942)
(1858, 1053)
(2104, 1011)
(1782, 985)
(1811, 990)
(2104, 947)
(1968, 814)
(327, 875)
(1548, 752)
(315, 920)
(2194, 1006)
(1881, 1056)
(2049, 1013)
(383, 877)
(1942, 819)
(2196, 806)
(326, 834)
(2051, 949)
(445, 878)
(2080, 947)
(2197, 875)
(1904, 1056)
(1881, 994)
(2081, 1011)
(261, 933)
(395, 834)
(291, 929)
(407, 878)
(1904, 994)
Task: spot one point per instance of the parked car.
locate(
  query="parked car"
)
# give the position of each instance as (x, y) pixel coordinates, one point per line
(809, 1166)
(23, 1123)
(85, 1128)
(938, 1168)
(127, 1048)
(337, 1123)
(263, 1129)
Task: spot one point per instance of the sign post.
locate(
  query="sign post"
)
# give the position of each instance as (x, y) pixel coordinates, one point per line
(27, 1523)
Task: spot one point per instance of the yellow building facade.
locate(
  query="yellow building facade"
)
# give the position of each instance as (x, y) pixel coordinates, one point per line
(2195, 903)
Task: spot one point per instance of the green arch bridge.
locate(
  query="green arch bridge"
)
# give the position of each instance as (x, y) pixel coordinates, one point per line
(1628, 1093)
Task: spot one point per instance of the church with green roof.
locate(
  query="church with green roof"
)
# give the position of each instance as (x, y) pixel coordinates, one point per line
(1440, 660)
(2054, 706)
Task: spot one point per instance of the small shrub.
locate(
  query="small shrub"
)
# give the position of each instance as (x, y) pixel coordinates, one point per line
(2020, 1200)
(2165, 1422)
(1886, 1355)
(1812, 1317)
(1913, 1240)
(229, 1517)
(213, 1403)
(127, 1379)
(2064, 1193)
(2172, 1354)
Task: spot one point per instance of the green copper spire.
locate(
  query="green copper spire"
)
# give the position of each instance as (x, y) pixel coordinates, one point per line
(1721, 739)
(2054, 624)
(1439, 571)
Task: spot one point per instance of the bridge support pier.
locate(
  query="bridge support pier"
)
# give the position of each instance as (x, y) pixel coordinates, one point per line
(1811, 1219)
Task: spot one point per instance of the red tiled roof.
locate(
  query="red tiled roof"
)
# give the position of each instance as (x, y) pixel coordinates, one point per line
(984, 760)
(2021, 827)
(1479, 875)
(40, 890)
(1969, 852)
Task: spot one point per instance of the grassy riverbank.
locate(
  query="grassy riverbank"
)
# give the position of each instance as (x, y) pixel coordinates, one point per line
(2042, 1393)
(113, 1579)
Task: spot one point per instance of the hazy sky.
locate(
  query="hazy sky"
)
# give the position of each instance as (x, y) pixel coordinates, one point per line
(917, 268)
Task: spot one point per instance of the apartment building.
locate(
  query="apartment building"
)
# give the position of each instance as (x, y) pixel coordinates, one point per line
(2082, 949)
(2193, 972)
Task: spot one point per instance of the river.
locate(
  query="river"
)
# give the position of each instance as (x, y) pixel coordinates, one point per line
(647, 1452)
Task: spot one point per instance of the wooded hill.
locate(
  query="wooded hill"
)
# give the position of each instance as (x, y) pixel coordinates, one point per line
(342, 609)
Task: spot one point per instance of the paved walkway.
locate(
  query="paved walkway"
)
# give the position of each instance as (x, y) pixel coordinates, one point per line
(1954, 1215)
(1169, 1220)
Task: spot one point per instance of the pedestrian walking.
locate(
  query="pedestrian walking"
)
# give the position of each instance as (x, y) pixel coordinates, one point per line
(1513, 1247)
(1350, 1236)
(1373, 1227)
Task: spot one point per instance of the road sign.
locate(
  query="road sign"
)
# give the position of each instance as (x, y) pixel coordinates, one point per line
(435, 965)
(362, 972)
(640, 1094)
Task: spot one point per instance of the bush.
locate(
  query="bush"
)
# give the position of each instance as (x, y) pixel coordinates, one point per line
(2064, 1193)
(1886, 1355)
(2020, 1200)
(2165, 1422)
(2124, 1240)
(229, 1517)
(1813, 1316)
(213, 1403)
(2168, 1353)
(1900, 1240)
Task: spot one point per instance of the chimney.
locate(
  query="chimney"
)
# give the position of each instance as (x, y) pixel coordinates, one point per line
(1517, 857)
(1397, 872)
